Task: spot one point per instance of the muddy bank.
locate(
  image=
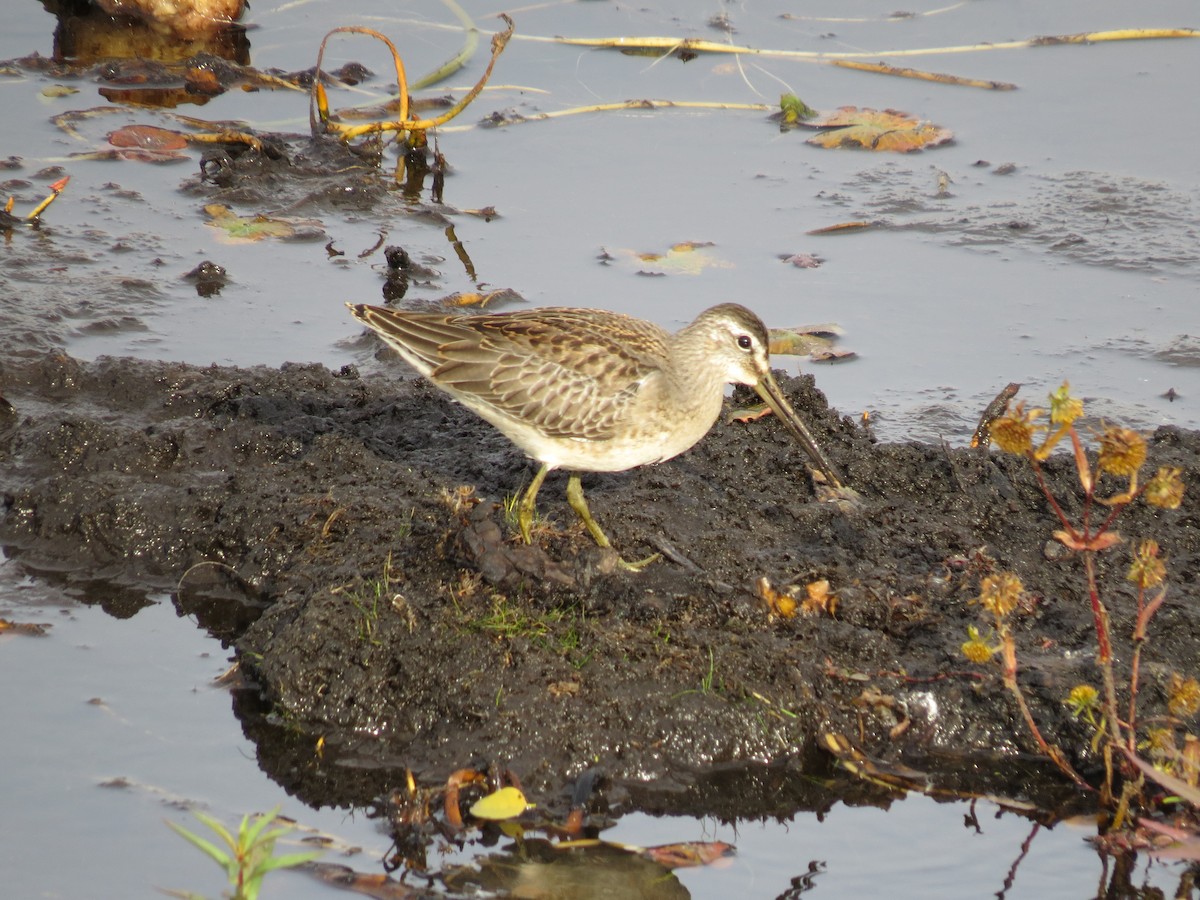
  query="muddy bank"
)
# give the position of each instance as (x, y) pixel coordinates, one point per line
(308, 486)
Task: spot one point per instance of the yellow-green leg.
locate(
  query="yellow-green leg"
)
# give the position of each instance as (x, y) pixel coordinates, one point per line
(579, 504)
(525, 507)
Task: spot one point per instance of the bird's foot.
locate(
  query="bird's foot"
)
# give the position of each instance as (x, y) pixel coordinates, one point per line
(579, 504)
(638, 565)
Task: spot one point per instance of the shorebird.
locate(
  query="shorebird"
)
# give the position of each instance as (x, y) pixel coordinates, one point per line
(593, 391)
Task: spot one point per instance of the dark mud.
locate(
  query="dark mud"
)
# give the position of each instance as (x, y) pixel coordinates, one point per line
(307, 486)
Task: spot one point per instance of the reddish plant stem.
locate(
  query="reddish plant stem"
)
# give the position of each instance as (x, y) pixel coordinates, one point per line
(1113, 513)
(1058, 511)
(1133, 691)
(1104, 649)
(1009, 668)
(1135, 665)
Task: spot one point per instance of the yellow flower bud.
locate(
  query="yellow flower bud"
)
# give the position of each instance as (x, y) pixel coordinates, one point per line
(1064, 409)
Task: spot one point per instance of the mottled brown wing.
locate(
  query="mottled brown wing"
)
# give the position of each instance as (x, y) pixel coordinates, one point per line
(418, 337)
(568, 372)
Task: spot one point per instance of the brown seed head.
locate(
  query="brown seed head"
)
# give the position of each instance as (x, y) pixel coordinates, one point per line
(1165, 489)
(1122, 451)
(1183, 697)
(1147, 569)
(999, 594)
(1014, 431)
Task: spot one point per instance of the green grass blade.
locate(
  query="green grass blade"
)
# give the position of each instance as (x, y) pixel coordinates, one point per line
(220, 829)
(210, 849)
(250, 836)
(288, 861)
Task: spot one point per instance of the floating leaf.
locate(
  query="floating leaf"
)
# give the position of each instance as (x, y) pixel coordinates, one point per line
(873, 129)
(804, 260)
(239, 229)
(684, 258)
(804, 340)
(506, 803)
(54, 91)
(145, 143)
(147, 137)
(689, 854)
(31, 629)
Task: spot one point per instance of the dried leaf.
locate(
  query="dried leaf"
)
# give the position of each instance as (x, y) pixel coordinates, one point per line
(30, 629)
(818, 599)
(689, 854)
(873, 129)
(559, 689)
(147, 137)
(751, 413)
(454, 783)
(779, 603)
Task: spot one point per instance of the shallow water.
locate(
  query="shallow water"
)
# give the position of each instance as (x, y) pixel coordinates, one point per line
(1082, 264)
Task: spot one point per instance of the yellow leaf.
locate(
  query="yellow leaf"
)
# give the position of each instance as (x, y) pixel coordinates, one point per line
(506, 803)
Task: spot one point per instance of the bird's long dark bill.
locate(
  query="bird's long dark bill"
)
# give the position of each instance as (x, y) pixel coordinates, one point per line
(769, 390)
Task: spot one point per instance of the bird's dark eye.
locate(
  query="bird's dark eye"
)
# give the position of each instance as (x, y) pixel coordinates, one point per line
(744, 341)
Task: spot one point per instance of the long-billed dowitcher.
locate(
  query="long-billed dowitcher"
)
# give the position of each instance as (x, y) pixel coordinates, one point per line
(589, 390)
